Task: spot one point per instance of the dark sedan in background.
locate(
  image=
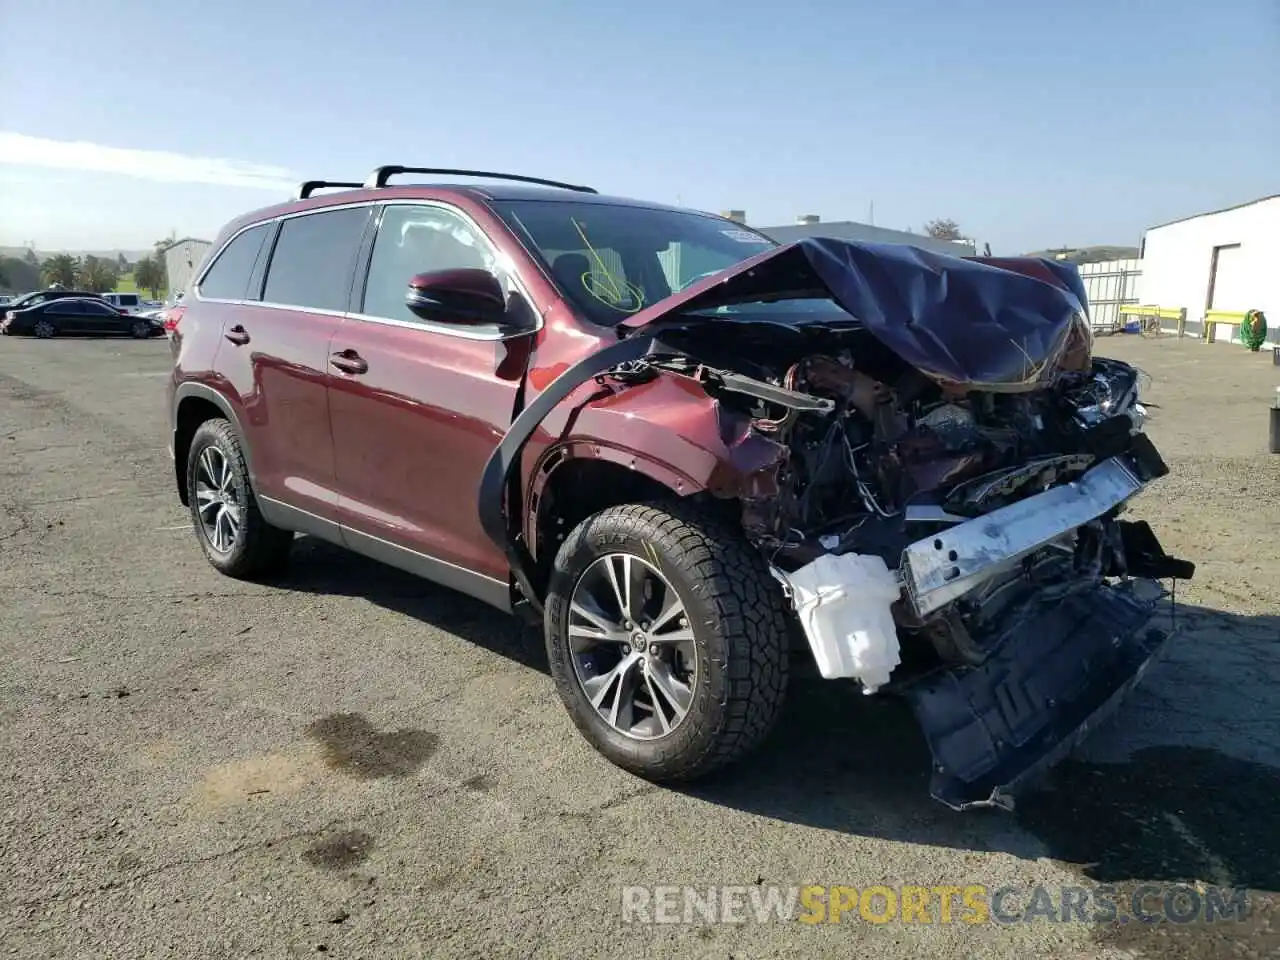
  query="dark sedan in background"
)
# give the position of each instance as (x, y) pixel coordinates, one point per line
(77, 315)
(37, 297)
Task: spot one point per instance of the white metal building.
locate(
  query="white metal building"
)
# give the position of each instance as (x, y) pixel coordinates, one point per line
(1224, 260)
(181, 259)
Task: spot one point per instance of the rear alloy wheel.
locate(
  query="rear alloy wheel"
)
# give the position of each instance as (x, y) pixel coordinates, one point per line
(234, 536)
(141, 329)
(44, 329)
(667, 638)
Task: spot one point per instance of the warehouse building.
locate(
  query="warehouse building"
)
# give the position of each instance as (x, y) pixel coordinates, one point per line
(181, 260)
(1219, 261)
(811, 225)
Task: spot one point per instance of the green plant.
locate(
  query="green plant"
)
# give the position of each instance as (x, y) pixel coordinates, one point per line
(1253, 330)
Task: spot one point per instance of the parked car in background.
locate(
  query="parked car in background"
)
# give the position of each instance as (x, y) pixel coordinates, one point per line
(5, 299)
(126, 302)
(76, 315)
(44, 296)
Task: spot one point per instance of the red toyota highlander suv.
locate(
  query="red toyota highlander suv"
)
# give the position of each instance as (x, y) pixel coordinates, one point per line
(691, 454)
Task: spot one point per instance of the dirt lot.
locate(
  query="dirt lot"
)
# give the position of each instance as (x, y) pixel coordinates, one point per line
(357, 764)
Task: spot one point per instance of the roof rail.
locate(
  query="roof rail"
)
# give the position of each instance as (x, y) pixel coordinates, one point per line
(311, 186)
(380, 176)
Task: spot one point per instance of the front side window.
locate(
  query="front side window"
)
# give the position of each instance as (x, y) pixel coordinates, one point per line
(413, 239)
(313, 260)
(613, 260)
(228, 278)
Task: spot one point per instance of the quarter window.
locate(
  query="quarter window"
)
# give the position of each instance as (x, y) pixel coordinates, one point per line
(415, 239)
(228, 278)
(314, 257)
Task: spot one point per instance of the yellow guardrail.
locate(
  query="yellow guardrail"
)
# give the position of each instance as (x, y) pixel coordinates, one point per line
(1152, 311)
(1164, 313)
(1214, 317)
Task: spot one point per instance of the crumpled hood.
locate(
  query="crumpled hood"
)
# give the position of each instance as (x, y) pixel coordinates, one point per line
(1003, 324)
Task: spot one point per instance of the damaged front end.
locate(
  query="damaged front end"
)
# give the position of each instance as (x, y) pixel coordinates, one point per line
(946, 514)
(944, 503)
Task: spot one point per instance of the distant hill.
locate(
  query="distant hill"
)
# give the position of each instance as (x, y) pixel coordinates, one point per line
(1086, 254)
(130, 255)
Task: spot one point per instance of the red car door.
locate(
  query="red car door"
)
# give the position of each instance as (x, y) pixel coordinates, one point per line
(418, 407)
(275, 352)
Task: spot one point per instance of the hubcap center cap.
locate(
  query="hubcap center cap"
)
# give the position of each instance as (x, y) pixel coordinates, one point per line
(639, 641)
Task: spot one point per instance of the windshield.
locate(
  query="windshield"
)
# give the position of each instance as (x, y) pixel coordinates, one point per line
(612, 260)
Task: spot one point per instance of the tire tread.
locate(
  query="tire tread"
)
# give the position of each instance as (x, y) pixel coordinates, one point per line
(732, 579)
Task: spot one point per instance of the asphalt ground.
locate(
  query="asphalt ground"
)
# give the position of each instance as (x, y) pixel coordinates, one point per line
(353, 763)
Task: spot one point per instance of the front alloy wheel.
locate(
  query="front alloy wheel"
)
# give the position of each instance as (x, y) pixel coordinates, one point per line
(633, 652)
(667, 637)
(44, 329)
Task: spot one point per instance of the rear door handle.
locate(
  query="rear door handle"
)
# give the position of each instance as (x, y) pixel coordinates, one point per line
(238, 335)
(348, 361)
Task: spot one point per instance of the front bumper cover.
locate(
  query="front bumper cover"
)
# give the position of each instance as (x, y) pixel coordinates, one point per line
(1054, 676)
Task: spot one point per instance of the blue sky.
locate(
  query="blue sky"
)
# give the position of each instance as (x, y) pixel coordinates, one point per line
(1030, 123)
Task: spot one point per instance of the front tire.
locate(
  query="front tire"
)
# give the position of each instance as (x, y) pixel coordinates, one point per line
(44, 329)
(141, 330)
(234, 536)
(667, 639)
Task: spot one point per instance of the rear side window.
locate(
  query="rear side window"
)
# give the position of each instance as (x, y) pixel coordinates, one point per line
(228, 278)
(314, 257)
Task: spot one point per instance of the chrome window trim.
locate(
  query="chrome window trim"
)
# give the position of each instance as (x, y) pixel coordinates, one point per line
(460, 332)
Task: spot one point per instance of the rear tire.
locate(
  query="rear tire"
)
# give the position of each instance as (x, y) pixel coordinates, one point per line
(235, 538)
(724, 655)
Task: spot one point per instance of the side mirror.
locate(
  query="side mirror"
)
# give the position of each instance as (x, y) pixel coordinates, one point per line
(469, 296)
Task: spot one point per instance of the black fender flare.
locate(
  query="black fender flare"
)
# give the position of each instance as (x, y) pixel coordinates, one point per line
(192, 390)
(500, 474)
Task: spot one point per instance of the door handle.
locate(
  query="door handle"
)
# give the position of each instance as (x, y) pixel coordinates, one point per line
(238, 335)
(348, 361)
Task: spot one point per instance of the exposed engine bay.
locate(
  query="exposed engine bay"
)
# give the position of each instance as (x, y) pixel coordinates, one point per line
(878, 456)
(935, 467)
(921, 527)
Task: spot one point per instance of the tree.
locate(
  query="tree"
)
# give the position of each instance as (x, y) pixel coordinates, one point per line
(97, 274)
(122, 264)
(943, 229)
(4, 276)
(31, 258)
(149, 274)
(60, 269)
